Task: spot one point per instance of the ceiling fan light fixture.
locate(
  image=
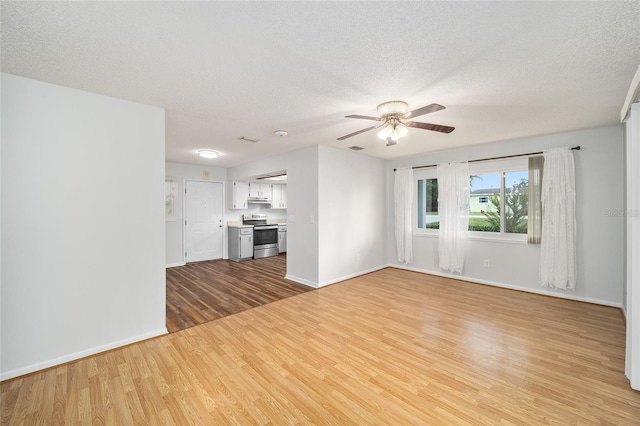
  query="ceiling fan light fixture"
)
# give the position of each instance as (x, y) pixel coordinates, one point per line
(386, 131)
(392, 114)
(392, 107)
(207, 153)
(393, 130)
(400, 130)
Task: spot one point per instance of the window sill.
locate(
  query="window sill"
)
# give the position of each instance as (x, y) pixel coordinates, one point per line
(425, 234)
(486, 238)
(498, 239)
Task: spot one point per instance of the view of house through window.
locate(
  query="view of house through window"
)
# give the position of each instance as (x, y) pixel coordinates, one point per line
(498, 203)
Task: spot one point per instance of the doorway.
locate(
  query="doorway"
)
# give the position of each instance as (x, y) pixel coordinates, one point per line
(203, 225)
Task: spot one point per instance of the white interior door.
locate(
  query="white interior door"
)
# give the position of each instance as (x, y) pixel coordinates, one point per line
(204, 231)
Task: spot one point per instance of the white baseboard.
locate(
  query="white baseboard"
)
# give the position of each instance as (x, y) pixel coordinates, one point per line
(173, 265)
(511, 286)
(301, 281)
(348, 277)
(6, 375)
(333, 281)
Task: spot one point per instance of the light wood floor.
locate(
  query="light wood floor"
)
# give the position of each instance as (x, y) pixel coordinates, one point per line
(204, 291)
(392, 347)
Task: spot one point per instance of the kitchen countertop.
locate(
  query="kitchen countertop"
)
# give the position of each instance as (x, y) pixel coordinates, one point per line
(238, 225)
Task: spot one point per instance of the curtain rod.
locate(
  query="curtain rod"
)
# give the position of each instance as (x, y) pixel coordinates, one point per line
(576, 148)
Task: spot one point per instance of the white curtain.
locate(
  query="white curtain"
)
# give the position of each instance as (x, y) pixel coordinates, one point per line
(403, 195)
(558, 246)
(536, 169)
(453, 209)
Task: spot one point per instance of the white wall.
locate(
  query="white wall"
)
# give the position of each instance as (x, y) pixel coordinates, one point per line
(600, 187)
(82, 224)
(302, 204)
(632, 287)
(352, 214)
(175, 229)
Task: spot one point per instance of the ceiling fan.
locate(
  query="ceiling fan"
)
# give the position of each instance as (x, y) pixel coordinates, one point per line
(392, 114)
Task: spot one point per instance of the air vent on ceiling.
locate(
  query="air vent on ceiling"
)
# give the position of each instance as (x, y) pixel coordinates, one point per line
(356, 148)
(244, 138)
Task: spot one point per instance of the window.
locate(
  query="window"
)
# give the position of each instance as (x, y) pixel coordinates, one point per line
(428, 204)
(484, 204)
(506, 191)
(516, 201)
(499, 195)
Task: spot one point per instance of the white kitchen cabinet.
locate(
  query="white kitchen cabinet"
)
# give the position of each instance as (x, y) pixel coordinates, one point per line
(282, 238)
(279, 198)
(246, 245)
(240, 193)
(260, 190)
(240, 243)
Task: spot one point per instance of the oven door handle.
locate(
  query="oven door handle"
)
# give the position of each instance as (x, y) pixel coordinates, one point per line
(262, 228)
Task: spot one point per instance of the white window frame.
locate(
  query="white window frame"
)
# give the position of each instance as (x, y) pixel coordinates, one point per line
(481, 167)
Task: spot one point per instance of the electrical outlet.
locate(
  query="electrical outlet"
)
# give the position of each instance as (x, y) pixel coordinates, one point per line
(487, 263)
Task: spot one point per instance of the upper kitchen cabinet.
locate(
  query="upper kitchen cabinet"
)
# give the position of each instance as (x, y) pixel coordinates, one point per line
(239, 195)
(261, 190)
(279, 199)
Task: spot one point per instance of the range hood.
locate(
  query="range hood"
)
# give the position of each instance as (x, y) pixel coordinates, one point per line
(259, 200)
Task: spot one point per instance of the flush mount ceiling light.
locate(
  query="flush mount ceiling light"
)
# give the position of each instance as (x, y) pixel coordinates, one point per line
(207, 153)
(281, 133)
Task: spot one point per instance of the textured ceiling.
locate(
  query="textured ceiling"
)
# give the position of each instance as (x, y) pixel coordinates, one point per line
(228, 69)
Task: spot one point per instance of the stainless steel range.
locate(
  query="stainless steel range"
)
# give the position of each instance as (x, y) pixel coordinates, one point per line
(265, 237)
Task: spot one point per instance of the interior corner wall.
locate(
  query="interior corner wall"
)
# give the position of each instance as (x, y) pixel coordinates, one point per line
(174, 229)
(599, 216)
(632, 213)
(302, 207)
(82, 224)
(351, 216)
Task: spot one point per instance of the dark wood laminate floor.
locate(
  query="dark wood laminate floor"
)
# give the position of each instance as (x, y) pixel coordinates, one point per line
(204, 291)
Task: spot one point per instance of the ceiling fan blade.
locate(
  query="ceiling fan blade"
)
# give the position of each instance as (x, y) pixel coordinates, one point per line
(365, 117)
(429, 126)
(356, 133)
(424, 110)
(391, 142)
